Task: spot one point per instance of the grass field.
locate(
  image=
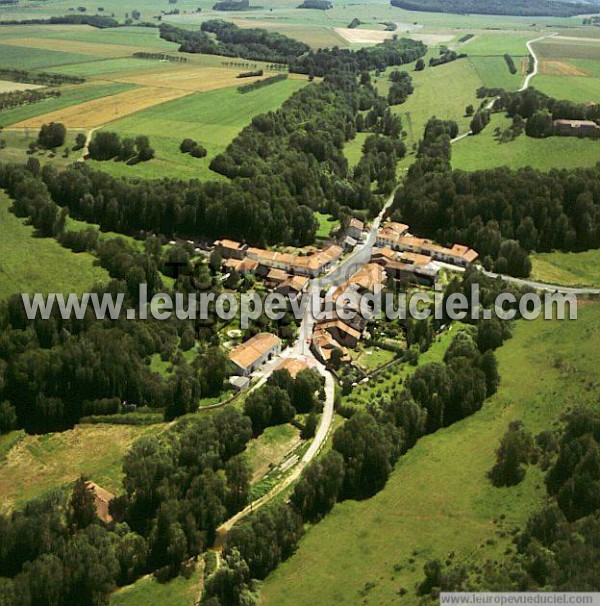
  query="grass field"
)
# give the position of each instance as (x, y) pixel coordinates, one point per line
(353, 149)
(372, 358)
(494, 72)
(213, 119)
(36, 464)
(147, 591)
(483, 151)
(568, 269)
(438, 498)
(458, 81)
(31, 264)
(18, 57)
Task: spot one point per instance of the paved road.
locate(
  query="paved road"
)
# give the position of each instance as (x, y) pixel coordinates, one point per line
(544, 286)
(525, 84)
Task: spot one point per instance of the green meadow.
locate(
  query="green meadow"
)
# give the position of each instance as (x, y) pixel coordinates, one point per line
(32, 264)
(438, 499)
(484, 151)
(567, 268)
(211, 118)
(33, 58)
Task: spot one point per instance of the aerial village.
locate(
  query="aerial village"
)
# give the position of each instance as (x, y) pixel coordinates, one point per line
(396, 257)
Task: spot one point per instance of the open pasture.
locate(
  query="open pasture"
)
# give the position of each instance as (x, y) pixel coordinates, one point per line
(31, 264)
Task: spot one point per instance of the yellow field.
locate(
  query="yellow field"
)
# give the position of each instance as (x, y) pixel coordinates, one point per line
(189, 78)
(560, 68)
(102, 111)
(8, 87)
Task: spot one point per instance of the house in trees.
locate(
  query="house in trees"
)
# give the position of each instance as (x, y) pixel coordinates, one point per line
(293, 366)
(251, 355)
(323, 345)
(576, 128)
(413, 267)
(102, 500)
(230, 249)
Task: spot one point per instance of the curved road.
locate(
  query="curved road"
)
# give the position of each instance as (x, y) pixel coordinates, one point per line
(525, 84)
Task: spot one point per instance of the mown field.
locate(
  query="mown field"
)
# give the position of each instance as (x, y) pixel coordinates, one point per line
(212, 119)
(484, 151)
(438, 498)
(31, 264)
(568, 269)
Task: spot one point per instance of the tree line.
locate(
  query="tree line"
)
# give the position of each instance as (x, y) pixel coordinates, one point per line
(23, 75)
(17, 98)
(247, 88)
(533, 8)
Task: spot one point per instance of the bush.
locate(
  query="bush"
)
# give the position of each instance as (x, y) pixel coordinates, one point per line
(52, 135)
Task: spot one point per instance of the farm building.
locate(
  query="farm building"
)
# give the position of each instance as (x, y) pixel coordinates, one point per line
(252, 354)
(576, 128)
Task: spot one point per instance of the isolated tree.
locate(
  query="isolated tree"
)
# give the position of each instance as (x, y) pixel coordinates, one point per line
(80, 140)
(419, 65)
(516, 449)
(469, 110)
(52, 135)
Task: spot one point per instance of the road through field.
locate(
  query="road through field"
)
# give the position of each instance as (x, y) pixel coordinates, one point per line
(300, 350)
(525, 84)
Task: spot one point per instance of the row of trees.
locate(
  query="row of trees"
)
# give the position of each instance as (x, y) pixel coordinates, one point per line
(23, 75)
(247, 88)
(230, 41)
(16, 98)
(109, 146)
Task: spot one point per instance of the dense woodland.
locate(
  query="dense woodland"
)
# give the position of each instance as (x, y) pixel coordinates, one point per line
(531, 8)
(231, 41)
(501, 213)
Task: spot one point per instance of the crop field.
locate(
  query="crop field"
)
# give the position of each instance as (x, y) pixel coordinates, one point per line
(36, 464)
(484, 151)
(33, 58)
(70, 96)
(438, 499)
(8, 87)
(100, 111)
(568, 269)
(31, 264)
(212, 119)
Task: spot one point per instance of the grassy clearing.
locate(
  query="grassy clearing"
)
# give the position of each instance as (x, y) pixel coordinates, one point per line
(372, 358)
(36, 464)
(494, 72)
(483, 151)
(326, 224)
(458, 81)
(438, 498)
(213, 119)
(353, 149)
(149, 592)
(30, 264)
(70, 96)
(568, 269)
(270, 448)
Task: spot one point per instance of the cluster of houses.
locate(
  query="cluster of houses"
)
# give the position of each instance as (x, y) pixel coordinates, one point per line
(397, 255)
(395, 236)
